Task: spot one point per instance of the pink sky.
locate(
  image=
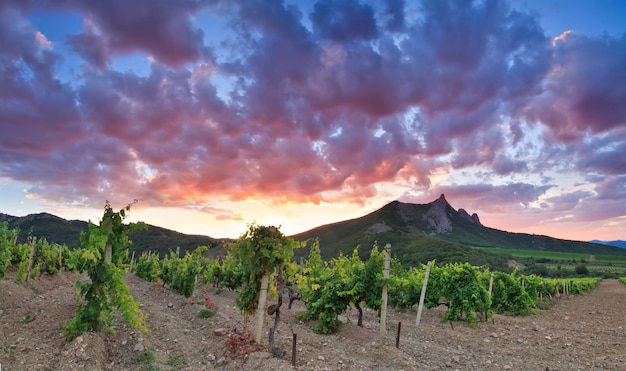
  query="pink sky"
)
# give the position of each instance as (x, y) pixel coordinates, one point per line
(215, 114)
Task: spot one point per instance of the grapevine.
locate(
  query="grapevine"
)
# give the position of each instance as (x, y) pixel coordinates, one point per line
(260, 251)
(103, 257)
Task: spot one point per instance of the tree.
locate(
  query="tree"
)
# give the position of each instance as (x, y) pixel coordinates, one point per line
(104, 257)
(261, 250)
(581, 269)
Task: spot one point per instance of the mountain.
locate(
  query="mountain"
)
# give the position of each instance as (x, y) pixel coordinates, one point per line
(61, 231)
(617, 243)
(416, 232)
(435, 230)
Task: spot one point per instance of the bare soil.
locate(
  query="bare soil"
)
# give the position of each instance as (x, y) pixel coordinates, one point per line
(585, 332)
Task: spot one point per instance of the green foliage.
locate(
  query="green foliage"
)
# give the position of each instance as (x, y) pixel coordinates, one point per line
(231, 275)
(185, 271)
(509, 295)
(148, 267)
(581, 269)
(259, 251)
(329, 288)
(107, 289)
(405, 288)
(207, 313)
(7, 241)
(47, 258)
(622, 280)
(461, 286)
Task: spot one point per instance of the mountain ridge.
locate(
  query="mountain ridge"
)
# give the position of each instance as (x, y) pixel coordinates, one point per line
(62, 231)
(405, 224)
(417, 233)
(616, 243)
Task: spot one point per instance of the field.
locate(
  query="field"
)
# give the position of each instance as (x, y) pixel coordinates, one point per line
(554, 255)
(575, 332)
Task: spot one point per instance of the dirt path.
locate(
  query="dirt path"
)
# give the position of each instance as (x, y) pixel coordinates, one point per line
(586, 332)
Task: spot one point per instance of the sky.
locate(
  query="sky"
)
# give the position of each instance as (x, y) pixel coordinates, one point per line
(218, 114)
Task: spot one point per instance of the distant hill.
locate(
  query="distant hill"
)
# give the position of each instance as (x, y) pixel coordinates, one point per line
(618, 243)
(435, 231)
(416, 232)
(61, 231)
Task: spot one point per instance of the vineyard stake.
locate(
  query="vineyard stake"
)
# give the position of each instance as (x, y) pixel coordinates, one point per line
(490, 290)
(60, 261)
(293, 350)
(258, 331)
(398, 335)
(108, 249)
(423, 294)
(383, 307)
(32, 255)
(132, 262)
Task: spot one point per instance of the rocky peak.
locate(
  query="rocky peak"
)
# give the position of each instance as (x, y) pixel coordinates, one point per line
(473, 218)
(440, 213)
(437, 215)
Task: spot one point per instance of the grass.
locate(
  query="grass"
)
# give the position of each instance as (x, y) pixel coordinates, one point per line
(555, 255)
(594, 268)
(177, 361)
(206, 313)
(145, 357)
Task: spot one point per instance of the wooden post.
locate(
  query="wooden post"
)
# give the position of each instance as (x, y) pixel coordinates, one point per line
(178, 251)
(293, 350)
(260, 311)
(398, 335)
(422, 295)
(33, 244)
(108, 250)
(132, 262)
(383, 307)
(60, 260)
(490, 290)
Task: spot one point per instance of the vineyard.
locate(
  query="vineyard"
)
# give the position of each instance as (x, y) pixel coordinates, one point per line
(322, 300)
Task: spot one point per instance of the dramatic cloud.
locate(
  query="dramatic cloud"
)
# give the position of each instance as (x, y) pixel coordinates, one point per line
(159, 27)
(322, 101)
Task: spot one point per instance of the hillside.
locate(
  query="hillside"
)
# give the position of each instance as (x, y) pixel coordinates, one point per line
(436, 230)
(416, 232)
(617, 243)
(61, 231)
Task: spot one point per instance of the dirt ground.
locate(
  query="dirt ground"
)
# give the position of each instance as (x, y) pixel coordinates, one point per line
(586, 332)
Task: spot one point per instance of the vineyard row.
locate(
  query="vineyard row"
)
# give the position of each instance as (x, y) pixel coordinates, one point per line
(327, 288)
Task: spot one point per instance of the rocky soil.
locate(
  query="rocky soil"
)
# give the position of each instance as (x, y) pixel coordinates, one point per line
(586, 332)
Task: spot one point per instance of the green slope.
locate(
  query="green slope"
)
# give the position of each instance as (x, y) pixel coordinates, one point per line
(64, 232)
(412, 230)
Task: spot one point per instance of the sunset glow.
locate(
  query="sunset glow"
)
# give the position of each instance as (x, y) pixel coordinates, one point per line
(217, 114)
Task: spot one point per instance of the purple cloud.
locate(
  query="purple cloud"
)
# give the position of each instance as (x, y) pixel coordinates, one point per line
(310, 104)
(37, 111)
(161, 28)
(342, 21)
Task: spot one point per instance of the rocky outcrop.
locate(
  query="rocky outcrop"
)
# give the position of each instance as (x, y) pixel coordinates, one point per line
(437, 215)
(440, 214)
(377, 228)
(473, 218)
